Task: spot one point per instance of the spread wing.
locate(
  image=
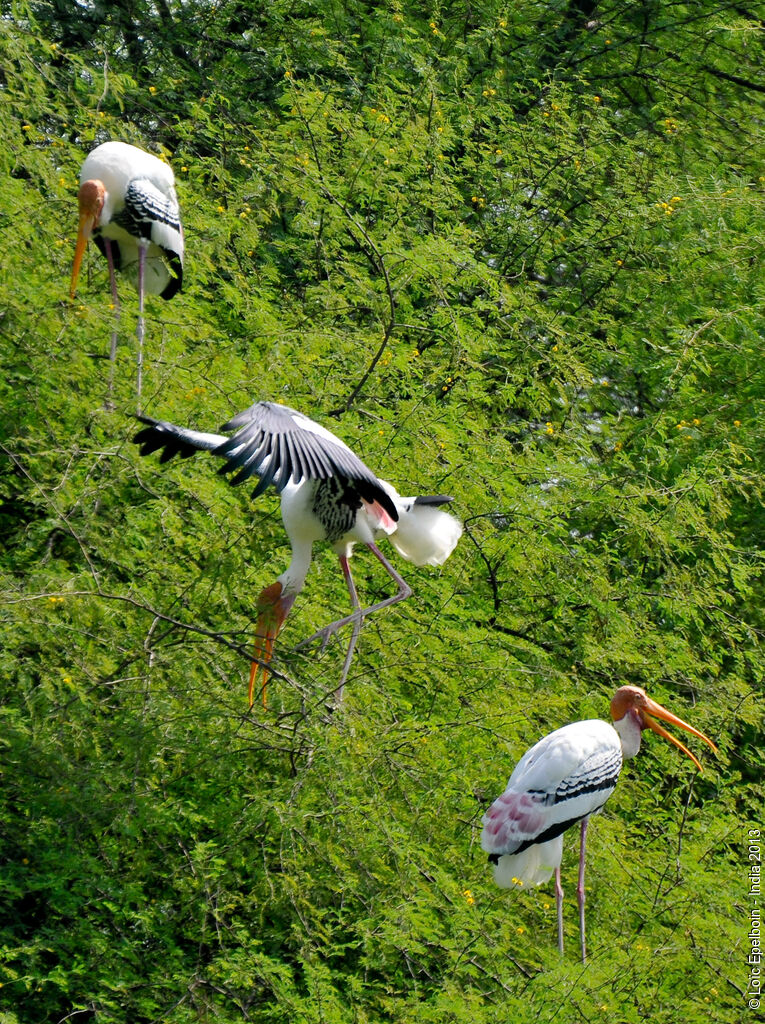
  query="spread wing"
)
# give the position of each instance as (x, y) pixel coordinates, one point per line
(273, 442)
(279, 444)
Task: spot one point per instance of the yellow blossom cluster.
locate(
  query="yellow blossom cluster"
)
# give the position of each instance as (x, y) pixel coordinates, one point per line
(195, 391)
(478, 201)
(670, 207)
(469, 898)
(549, 428)
(670, 126)
(55, 600)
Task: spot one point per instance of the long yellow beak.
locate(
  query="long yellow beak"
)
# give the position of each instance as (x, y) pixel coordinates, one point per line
(653, 710)
(273, 609)
(87, 222)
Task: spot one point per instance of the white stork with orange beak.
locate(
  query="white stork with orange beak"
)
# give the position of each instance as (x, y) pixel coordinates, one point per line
(562, 780)
(129, 207)
(327, 493)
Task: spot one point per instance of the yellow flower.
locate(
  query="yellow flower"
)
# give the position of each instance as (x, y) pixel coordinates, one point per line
(618, 446)
(737, 423)
(520, 929)
(596, 98)
(620, 263)
(152, 89)
(26, 127)
(221, 209)
(469, 897)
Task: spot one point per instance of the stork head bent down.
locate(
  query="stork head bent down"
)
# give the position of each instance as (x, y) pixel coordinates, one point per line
(631, 705)
(91, 198)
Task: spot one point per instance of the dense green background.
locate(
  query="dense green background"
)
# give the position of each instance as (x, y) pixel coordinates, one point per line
(509, 252)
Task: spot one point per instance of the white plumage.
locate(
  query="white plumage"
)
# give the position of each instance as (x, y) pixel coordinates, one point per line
(139, 206)
(128, 205)
(563, 779)
(566, 776)
(327, 493)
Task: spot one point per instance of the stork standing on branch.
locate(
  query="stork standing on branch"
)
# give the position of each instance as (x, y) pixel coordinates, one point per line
(327, 493)
(129, 207)
(562, 780)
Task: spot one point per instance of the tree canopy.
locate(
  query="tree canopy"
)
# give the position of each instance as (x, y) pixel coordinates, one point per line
(512, 253)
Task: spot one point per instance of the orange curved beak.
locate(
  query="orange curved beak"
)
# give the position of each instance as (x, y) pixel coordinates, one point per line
(653, 710)
(87, 223)
(91, 202)
(273, 608)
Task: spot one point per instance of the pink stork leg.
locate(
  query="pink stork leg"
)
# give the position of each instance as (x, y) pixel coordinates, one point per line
(404, 591)
(345, 566)
(116, 306)
(140, 330)
(580, 888)
(559, 907)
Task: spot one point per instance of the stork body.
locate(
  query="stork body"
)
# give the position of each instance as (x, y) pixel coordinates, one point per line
(327, 494)
(128, 206)
(561, 781)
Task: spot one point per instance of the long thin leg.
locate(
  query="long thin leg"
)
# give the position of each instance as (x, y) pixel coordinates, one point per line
(580, 888)
(404, 591)
(345, 566)
(559, 907)
(115, 329)
(140, 330)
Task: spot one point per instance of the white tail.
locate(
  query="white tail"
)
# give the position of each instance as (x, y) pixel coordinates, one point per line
(532, 867)
(424, 534)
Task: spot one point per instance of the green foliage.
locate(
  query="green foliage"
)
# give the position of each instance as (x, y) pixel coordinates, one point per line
(509, 254)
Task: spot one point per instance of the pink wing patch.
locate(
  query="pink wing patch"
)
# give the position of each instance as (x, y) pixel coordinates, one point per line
(511, 819)
(380, 518)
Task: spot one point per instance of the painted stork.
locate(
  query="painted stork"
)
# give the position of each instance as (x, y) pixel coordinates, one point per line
(562, 780)
(327, 493)
(128, 206)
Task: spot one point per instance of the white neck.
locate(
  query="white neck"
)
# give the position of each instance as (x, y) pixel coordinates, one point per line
(293, 577)
(629, 731)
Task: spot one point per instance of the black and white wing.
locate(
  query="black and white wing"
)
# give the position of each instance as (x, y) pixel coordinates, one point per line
(565, 777)
(275, 443)
(158, 435)
(280, 445)
(154, 215)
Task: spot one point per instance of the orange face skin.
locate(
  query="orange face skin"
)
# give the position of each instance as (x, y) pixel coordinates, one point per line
(273, 608)
(91, 201)
(632, 698)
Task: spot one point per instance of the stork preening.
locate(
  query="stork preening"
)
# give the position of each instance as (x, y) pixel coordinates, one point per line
(129, 207)
(562, 780)
(327, 493)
